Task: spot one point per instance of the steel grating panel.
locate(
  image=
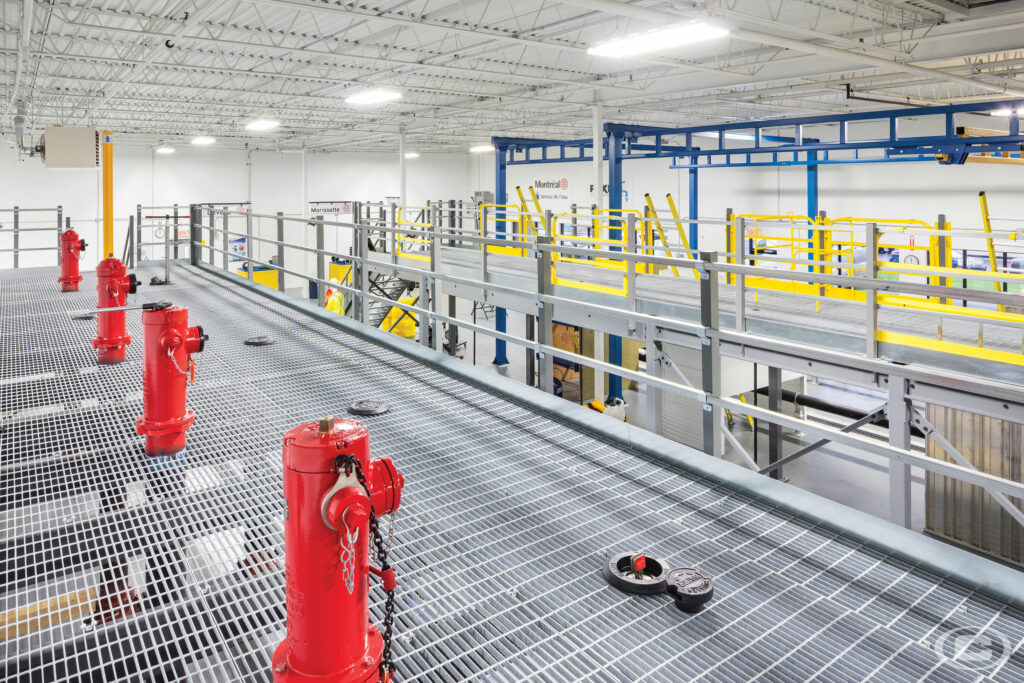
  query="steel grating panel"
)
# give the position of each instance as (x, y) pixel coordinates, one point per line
(505, 519)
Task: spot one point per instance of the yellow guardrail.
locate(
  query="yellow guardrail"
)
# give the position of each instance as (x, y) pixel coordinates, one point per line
(596, 243)
(819, 244)
(402, 240)
(517, 224)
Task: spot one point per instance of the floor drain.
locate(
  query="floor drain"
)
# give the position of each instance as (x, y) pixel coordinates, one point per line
(369, 406)
(259, 341)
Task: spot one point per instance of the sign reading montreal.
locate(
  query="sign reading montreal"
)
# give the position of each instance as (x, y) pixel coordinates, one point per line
(562, 184)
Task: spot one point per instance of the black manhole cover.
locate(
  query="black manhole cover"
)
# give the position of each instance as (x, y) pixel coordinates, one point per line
(369, 406)
(259, 341)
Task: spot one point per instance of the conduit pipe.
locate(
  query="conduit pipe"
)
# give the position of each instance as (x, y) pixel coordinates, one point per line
(23, 48)
(660, 18)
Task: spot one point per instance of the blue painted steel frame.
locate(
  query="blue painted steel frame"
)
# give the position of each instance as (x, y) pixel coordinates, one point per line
(623, 144)
(615, 179)
(500, 197)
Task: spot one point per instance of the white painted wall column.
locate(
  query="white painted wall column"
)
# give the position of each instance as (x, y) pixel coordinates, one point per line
(597, 196)
(401, 168)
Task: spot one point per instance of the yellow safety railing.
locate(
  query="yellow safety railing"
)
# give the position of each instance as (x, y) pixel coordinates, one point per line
(597, 243)
(402, 240)
(515, 227)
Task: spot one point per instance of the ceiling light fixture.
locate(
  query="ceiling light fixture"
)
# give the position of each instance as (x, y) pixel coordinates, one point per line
(376, 96)
(203, 140)
(482, 148)
(262, 124)
(1005, 113)
(661, 39)
(412, 155)
(165, 149)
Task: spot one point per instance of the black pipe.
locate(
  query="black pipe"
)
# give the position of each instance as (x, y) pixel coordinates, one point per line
(828, 407)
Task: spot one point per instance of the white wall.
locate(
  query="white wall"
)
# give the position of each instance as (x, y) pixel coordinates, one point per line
(282, 181)
(272, 181)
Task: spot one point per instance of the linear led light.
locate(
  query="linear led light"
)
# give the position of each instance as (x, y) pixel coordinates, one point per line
(203, 140)
(1005, 113)
(376, 96)
(412, 155)
(262, 124)
(165, 149)
(479, 149)
(660, 39)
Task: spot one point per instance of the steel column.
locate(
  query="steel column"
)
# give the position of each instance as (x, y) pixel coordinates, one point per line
(812, 197)
(693, 199)
(224, 239)
(871, 295)
(500, 197)
(60, 230)
(774, 430)
(710, 357)
(899, 437)
(17, 217)
(194, 233)
(321, 264)
(280, 251)
(615, 141)
(138, 233)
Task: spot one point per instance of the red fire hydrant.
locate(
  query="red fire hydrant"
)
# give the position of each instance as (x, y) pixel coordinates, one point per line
(333, 495)
(167, 367)
(71, 245)
(113, 285)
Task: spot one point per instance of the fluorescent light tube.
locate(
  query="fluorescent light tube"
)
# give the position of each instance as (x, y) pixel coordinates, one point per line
(262, 124)
(376, 96)
(165, 149)
(482, 148)
(660, 39)
(203, 140)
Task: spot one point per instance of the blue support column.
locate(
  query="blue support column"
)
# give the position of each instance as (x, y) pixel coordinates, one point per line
(615, 233)
(500, 197)
(694, 244)
(812, 200)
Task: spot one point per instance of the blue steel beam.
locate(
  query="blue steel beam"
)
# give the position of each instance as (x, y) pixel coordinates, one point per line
(614, 154)
(500, 197)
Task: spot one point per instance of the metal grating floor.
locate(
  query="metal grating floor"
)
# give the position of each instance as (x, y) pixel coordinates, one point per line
(505, 520)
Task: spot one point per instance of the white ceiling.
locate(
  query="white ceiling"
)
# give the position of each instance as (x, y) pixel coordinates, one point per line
(470, 69)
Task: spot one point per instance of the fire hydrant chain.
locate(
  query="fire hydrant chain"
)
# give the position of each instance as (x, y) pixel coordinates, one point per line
(351, 463)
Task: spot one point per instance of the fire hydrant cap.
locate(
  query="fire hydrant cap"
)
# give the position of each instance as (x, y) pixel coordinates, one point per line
(307, 449)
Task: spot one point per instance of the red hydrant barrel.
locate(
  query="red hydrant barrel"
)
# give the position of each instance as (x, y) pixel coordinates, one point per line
(113, 285)
(71, 246)
(167, 347)
(326, 531)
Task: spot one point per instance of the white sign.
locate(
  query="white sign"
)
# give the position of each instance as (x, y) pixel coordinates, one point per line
(329, 209)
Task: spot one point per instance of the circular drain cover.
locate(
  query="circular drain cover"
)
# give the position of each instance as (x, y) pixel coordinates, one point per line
(690, 588)
(636, 573)
(369, 406)
(83, 316)
(259, 341)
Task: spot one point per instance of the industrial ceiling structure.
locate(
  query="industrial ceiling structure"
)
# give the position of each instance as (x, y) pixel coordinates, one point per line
(469, 69)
